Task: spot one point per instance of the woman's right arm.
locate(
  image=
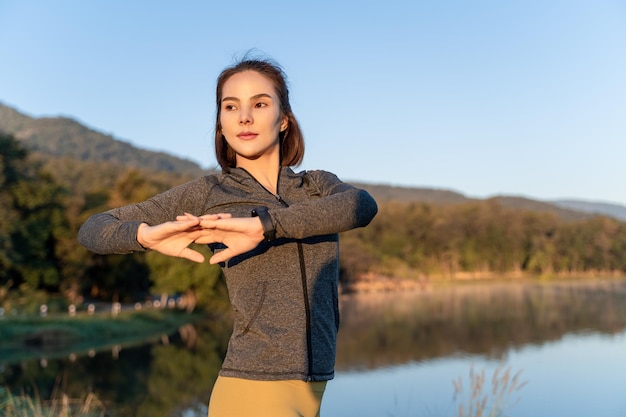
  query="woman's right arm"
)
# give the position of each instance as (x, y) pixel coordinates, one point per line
(116, 230)
(105, 234)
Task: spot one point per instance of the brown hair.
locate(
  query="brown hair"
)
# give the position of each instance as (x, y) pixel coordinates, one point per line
(291, 139)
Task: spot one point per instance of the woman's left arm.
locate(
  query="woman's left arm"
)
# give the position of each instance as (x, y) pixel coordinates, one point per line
(340, 207)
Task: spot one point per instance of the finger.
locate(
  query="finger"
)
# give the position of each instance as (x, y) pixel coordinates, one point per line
(206, 238)
(183, 224)
(195, 234)
(214, 217)
(211, 223)
(192, 255)
(187, 216)
(221, 256)
(227, 224)
(209, 217)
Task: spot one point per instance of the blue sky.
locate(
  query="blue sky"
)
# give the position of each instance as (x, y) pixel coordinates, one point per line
(522, 98)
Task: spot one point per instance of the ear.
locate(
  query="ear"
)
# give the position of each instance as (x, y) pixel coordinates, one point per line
(284, 124)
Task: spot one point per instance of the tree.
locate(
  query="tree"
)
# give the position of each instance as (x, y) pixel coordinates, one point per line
(200, 283)
(32, 220)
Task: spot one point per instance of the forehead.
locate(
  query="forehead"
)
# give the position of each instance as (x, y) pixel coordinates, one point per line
(247, 84)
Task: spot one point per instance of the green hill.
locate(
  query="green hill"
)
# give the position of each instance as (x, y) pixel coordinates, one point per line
(65, 137)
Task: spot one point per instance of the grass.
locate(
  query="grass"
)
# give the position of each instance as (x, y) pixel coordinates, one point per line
(23, 337)
(58, 406)
(481, 401)
(26, 337)
(100, 326)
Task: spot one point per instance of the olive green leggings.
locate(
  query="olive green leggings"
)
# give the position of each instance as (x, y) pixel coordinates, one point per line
(236, 397)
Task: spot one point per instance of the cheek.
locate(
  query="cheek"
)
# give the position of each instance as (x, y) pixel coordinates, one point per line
(226, 122)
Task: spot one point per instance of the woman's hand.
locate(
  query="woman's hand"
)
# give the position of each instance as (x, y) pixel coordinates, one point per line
(173, 238)
(240, 234)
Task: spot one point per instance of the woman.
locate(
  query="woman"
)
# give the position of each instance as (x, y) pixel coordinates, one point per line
(275, 234)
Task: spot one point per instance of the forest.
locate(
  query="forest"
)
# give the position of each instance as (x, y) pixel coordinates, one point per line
(45, 198)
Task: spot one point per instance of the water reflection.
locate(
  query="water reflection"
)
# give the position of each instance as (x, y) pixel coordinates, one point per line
(161, 378)
(174, 375)
(380, 330)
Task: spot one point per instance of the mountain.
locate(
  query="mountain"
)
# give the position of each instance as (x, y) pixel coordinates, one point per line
(384, 193)
(522, 203)
(62, 136)
(607, 209)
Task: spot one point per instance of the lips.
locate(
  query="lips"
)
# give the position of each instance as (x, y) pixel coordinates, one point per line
(247, 135)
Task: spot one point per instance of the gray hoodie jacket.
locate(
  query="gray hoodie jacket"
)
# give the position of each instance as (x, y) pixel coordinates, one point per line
(284, 292)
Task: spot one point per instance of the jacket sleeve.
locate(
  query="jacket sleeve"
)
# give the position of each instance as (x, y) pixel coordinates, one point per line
(115, 231)
(336, 208)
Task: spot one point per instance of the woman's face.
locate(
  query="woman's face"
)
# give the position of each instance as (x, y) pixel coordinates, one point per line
(250, 117)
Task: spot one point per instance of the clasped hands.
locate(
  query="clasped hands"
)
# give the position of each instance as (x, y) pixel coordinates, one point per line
(238, 234)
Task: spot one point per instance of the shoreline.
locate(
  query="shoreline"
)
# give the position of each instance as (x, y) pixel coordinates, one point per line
(375, 283)
(61, 335)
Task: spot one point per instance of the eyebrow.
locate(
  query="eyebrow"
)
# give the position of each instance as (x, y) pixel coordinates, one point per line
(254, 97)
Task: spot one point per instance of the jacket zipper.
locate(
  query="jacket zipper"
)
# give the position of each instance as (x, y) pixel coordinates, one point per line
(277, 195)
(305, 290)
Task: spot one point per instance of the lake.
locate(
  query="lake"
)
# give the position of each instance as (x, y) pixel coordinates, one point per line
(398, 355)
(566, 339)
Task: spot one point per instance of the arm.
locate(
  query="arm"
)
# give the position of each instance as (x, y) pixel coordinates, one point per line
(137, 227)
(339, 208)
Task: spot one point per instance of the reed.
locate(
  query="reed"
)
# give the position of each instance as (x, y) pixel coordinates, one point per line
(59, 405)
(485, 401)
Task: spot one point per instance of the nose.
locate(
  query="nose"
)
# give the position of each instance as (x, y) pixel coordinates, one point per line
(245, 118)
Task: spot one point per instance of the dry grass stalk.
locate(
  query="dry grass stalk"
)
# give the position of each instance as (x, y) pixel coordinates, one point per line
(482, 403)
(60, 405)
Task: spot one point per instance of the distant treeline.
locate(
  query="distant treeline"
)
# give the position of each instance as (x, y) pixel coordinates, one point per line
(482, 238)
(44, 200)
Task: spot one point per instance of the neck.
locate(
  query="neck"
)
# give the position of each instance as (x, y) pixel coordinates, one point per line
(264, 170)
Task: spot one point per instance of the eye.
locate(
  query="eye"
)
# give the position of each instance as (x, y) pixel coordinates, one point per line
(260, 104)
(229, 107)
